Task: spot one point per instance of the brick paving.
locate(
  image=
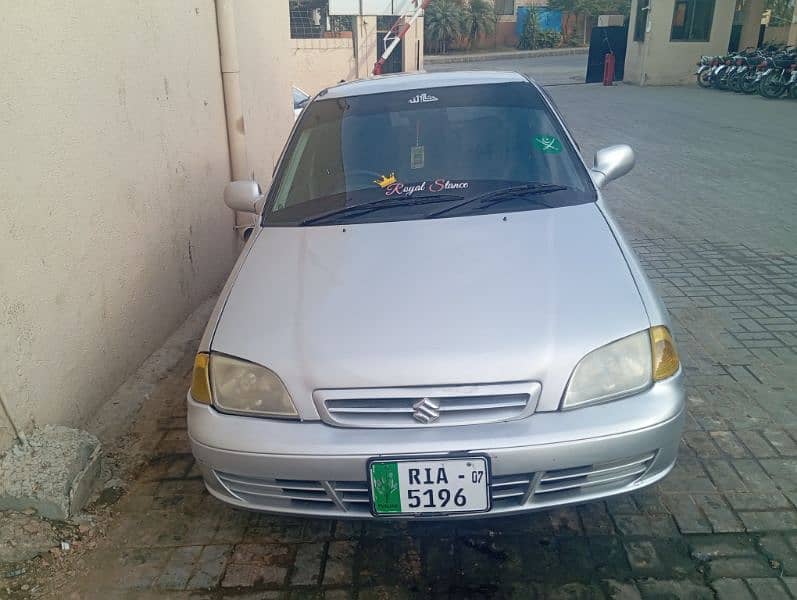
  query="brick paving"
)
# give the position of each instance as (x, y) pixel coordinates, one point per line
(722, 525)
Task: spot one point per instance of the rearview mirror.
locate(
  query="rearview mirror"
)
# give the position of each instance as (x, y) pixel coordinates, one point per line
(244, 196)
(611, 163)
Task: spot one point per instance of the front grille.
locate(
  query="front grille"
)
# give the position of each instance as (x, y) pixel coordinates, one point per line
(345, 497)
(351, 498)
(278, 493)
(562, 484)
(510, 490)
(427, 407)
(353, 495)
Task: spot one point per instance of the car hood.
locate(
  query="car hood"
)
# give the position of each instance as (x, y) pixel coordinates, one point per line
(495, 298)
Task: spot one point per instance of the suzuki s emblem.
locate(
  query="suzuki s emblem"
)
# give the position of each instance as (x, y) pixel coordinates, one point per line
(423, 98)
(426, 410)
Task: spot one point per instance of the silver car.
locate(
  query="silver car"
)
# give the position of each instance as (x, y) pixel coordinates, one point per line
(436, 316)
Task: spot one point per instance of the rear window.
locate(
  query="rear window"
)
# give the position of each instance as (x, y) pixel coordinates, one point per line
(410, 150)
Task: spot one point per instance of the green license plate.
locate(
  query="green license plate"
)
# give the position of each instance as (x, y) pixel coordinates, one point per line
(429, 486)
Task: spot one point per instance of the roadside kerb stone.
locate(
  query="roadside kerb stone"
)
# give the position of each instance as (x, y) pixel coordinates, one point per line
(54, 472)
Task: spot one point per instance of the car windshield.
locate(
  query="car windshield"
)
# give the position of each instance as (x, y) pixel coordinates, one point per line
(447, 151)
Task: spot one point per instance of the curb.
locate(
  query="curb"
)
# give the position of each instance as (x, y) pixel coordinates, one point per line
(466, 58)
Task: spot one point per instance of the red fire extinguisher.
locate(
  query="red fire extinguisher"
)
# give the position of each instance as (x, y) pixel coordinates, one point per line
(608, 69)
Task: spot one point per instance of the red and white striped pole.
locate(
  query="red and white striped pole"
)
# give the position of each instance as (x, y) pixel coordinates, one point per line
(397, 32)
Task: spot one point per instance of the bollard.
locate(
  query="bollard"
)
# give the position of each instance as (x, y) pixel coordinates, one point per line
(608, 69)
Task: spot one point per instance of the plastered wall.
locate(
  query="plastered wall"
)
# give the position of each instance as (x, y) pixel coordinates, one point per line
(659, 61)
(320, 63)
(267, 71)
(112, 166)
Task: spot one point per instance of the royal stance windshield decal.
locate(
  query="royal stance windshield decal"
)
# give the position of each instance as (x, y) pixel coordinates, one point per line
(434, 186)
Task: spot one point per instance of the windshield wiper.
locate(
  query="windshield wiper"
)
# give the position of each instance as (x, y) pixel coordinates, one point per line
(490, 199)
(381, 204)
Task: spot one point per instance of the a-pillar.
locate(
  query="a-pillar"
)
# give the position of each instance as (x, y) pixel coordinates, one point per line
(751, 23)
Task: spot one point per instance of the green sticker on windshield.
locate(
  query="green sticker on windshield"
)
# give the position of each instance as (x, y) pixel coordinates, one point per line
(548, 144)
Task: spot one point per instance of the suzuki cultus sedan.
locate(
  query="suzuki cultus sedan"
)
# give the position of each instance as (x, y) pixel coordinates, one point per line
(436, 316)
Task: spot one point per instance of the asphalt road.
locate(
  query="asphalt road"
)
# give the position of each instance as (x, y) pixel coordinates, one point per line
(549, 70)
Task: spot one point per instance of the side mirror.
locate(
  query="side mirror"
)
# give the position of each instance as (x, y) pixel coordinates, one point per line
(611, 163)
(244, 196)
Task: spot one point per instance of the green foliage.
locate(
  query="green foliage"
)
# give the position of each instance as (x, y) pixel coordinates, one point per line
(782, 11)
(533, 37)
(481, 18)
(592, 7)
(531, 31)
(444, 22)
(549, 39)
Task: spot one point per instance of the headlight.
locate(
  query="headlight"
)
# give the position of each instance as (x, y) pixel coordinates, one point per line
(238, 386)
(623, 367)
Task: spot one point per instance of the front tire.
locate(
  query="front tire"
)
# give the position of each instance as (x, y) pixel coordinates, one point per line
(704, 78)
(735, 82)
(771, 86)
(748, 85)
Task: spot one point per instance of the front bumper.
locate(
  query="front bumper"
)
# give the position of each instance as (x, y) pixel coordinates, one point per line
(548, 459)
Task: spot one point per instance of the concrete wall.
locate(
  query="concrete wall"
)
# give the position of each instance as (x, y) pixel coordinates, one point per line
(317, 64)
(320, 63)
(657, 60)
(778, 35)
(267, 72)
(413, 47)
(114, 159)
(751, 23)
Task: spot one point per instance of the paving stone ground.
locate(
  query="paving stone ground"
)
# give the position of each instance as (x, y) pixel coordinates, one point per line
(722, 525)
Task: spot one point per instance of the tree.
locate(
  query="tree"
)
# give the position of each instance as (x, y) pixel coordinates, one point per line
(534, 37)
(481, 17)
(570, 8)
(782, 11)
(444, 22)
(531, 30)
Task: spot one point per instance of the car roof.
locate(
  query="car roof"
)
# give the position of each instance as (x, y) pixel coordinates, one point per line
(421, 80)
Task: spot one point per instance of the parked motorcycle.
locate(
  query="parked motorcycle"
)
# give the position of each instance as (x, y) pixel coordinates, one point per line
(704, 70)
(743, 76)
(776, 80)
(770, 71)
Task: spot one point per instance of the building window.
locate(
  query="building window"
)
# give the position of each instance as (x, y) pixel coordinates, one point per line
(505, 7)
(311, 19)
(641, 22)
(691, 20)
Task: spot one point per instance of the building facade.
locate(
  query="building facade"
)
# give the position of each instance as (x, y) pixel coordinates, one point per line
(667, 37)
